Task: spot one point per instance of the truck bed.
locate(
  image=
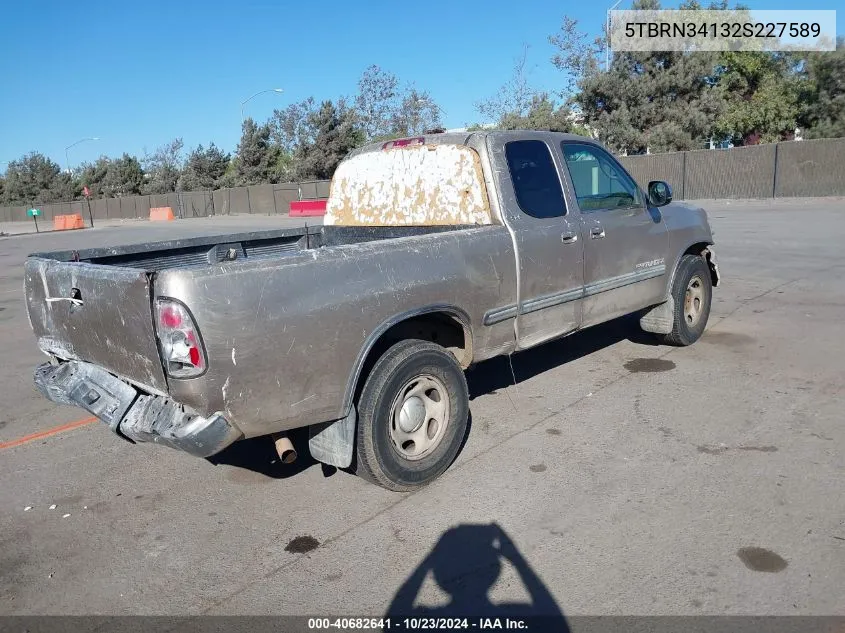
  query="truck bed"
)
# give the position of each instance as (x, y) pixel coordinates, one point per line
(215, 249)
(116, 286)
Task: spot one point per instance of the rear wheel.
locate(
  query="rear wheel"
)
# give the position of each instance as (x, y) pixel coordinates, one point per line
(412, 416)
(692, 292)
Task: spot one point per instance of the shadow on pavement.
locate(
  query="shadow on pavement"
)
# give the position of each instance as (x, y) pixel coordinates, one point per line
(259, 454)
(493, 374)
(466, 563)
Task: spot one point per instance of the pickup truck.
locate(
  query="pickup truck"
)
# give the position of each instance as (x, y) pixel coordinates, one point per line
(436, 253)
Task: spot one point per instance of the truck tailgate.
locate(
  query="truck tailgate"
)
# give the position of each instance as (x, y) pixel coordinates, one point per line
(96, 313)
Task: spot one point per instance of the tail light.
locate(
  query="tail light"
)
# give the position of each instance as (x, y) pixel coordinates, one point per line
(179, 340)
(403, 142)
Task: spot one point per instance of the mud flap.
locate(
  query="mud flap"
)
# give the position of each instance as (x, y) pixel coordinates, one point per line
(332, 443)
(660, 319)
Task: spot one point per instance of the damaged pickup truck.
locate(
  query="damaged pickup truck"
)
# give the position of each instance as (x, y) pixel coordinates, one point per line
(436, 253)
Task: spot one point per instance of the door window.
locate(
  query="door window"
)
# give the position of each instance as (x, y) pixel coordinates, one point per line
(535, 179)
(600, 182)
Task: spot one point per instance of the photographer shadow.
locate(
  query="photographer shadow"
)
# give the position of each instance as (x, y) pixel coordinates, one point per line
(466, 563)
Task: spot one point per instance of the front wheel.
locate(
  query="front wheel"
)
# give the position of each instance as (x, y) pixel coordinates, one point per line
(692, 291)
(412, 416)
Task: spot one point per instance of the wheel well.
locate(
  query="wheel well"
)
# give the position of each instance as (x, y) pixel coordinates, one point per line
(702, 249)
(442, 328)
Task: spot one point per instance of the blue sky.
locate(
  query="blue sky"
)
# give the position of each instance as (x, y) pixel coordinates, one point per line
(137, 74)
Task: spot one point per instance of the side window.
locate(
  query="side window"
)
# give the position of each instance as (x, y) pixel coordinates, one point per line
(535, 179)
(600, 183)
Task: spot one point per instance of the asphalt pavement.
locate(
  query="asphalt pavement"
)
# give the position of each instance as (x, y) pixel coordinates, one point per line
(616, 477)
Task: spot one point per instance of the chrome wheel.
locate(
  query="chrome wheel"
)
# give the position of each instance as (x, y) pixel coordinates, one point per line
(694, 301)
(419, 416)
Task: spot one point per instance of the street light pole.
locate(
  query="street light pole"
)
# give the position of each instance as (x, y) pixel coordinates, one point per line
(607, 38)
(260, 92)
(82, 140)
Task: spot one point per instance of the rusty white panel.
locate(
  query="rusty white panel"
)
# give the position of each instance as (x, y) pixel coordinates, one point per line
(413, 185)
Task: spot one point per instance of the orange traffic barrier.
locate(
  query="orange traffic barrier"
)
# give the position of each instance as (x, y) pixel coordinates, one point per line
(64, 222)
(161, 214)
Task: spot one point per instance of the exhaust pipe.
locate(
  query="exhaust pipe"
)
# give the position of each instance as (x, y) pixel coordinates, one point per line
(285, 449)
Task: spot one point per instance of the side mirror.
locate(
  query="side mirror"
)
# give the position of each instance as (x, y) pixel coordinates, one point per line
(659, 193)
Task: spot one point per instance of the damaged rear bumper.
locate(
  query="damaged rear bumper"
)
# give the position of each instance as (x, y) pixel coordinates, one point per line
(132, 414)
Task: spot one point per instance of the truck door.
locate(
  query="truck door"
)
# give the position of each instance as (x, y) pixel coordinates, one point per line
(547, 236)
(625, 242)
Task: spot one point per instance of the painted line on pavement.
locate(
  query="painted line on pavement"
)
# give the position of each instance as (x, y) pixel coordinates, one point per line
(26, 439)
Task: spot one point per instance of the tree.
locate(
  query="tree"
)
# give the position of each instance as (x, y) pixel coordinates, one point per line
(543, 114)
(823, 114)
(36, 178)
(93, 175)
(258, 158)
(760, 91)
(660, 101)
(578, 56)
(514, 97)
(336, 133)
(377, 102)
(164, 167)
(291, 129)
(385, 109)
(417, 113)
(204, 168)
(645, 101)
(124, 177)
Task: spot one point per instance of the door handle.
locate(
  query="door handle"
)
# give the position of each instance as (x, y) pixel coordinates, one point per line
(569, 238)
(597, 232)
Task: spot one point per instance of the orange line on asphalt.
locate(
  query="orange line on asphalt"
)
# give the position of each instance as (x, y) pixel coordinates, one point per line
(26, 439)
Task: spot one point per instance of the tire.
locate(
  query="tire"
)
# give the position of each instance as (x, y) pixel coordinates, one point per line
(401, 446)
(688, 324)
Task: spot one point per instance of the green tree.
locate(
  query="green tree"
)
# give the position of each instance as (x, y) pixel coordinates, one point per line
(645, 101)
(377, 102)
(290, 126)
(660, 101)
(36, 178)
(760, 91)
(258, 158)
(823, 99)
(385, 109)
(93, 175)
(204, 168)
(543, 114)
(417, 113)
(163, 167)
(336, 133)
(124, 177)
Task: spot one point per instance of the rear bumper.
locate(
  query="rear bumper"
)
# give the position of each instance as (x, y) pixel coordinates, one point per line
(132, 414)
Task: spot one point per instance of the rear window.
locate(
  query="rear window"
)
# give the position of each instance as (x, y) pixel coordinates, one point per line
(413, 185)
(536, 183)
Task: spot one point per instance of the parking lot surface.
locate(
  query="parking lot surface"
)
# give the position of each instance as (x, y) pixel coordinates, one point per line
(616, 477)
